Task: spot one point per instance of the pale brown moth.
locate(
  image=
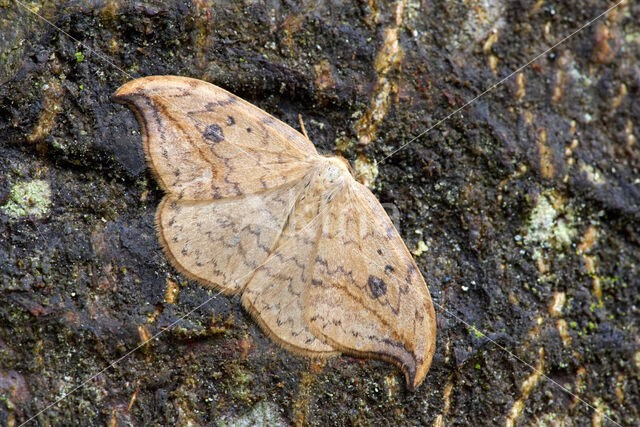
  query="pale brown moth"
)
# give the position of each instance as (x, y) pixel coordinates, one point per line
(252, 208)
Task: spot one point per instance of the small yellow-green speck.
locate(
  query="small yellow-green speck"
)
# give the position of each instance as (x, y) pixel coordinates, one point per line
(422, 248)
(28, 198)
(476, 332)
(79, 56)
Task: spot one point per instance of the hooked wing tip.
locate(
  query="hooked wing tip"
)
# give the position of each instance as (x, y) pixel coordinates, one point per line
(153, 82)
(124, 92)
(416, 368)
(416, 374)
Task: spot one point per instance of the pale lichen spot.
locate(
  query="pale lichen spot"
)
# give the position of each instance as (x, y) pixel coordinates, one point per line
(28, 198)
(263, 413)
(550, 222)
(592, 174)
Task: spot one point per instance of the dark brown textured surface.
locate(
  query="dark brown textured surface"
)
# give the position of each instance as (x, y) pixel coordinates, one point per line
(527, 204)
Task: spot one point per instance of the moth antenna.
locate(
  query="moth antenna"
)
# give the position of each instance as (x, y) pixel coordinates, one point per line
(304, 131)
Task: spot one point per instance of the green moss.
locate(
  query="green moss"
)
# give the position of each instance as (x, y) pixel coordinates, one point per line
(28, 198)
(594, 305)
(240, 382)
(475, 331)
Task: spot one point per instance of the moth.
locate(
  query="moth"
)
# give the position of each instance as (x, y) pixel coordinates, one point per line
(251, 208)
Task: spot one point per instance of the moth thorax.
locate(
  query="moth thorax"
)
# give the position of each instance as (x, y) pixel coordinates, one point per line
(335, 171)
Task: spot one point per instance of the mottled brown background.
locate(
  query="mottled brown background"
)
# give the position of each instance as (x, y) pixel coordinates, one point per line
(528, 203)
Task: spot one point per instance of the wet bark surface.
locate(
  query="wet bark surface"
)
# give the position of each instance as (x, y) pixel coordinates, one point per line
(522, 209)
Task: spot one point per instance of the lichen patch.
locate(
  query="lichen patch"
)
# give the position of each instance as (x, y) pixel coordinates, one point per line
(28, 198)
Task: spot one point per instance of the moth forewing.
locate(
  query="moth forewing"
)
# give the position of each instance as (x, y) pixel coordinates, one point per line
(367, 297)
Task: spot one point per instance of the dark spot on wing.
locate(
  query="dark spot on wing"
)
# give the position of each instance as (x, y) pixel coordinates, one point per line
(379, 251)
(389, 269)
(213, 133)
(248, 130)
(377, 286)
(230, 121)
